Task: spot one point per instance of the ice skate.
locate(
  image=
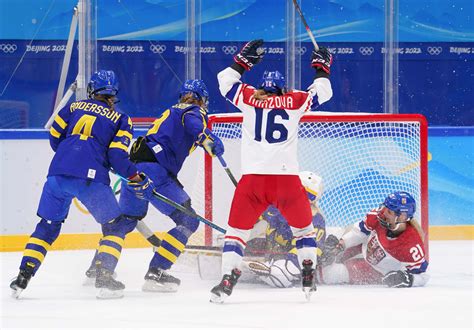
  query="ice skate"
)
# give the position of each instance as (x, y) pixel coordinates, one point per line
(224, 289)
(91, 274)
(158, 280)
(21, 281)
(309, 281)
(108, 287)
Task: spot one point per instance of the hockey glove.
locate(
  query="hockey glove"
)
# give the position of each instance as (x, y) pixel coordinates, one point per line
(321, 60)
(252, 53)
(331, 250)
(211, 143)
(398, 279)
(143, 189)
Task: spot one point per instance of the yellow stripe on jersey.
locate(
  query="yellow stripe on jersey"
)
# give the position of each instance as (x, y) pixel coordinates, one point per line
(40, 242)
(167, 254)
(124, 133)
(119, 145)
(33, 254)
(54, 133)
(60, 122)
(114, 239)
(174, 242)
(109, 250)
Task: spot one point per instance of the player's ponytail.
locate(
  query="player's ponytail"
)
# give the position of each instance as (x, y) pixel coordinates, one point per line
(418, 228)
(260, 95)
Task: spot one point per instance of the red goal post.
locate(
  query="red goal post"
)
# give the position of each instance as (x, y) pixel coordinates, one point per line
(361, 158)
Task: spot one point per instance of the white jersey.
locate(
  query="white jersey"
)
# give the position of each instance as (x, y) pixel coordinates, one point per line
(270, 127)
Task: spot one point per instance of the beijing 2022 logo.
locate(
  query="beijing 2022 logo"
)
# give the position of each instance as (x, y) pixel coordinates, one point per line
(158, 49)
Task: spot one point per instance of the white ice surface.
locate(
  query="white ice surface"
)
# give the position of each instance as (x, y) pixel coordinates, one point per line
(56, 298)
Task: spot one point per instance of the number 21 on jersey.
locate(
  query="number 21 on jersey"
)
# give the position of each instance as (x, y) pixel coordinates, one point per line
(273, 131)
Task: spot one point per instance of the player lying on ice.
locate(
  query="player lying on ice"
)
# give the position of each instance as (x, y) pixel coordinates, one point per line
(269, 160)
(384, 248)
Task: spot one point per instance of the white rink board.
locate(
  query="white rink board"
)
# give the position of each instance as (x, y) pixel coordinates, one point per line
(23, 168)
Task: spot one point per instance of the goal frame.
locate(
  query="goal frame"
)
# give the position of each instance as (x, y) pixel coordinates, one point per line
(339, 117)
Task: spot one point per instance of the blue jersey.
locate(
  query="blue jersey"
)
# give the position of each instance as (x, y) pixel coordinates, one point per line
(89, 139)
(279, 233)
(173, 136)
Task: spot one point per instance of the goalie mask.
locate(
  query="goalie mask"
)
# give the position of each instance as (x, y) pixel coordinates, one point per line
(272, 82)
(313, 185)
(103, 82)
(399, 202)
(198, 90)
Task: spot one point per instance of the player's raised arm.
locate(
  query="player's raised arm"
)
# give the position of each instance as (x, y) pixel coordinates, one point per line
(229, 79)
(321, 61)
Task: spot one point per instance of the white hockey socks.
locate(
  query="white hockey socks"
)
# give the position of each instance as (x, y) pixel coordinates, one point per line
(234, 246)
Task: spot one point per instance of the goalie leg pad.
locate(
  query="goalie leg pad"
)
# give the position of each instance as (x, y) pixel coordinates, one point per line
(283, 274)
(333, 274)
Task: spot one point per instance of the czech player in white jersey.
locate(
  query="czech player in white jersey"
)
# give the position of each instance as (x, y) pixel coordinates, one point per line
(269, 159)
(391, 246)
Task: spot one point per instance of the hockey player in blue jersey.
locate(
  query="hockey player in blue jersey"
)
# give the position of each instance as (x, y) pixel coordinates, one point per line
(161, 154)
(89, 138)
(281, 269)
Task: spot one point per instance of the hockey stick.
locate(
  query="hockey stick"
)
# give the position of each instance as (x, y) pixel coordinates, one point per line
(181, 208)
(148, 234)
(308, 30)
(227, 170)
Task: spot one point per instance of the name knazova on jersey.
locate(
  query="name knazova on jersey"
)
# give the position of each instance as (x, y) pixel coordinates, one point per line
(275, 102)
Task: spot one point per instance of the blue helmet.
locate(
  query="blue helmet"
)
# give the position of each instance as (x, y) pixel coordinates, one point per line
(272, 82)
(197, 88)
(401, 201)
(103, 82)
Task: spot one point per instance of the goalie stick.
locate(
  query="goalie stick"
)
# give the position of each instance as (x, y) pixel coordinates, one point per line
(308, 30)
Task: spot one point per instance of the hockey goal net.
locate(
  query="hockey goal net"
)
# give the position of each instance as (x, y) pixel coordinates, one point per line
(361, 158)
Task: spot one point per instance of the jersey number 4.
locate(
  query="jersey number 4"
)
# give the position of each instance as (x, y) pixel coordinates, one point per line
(271, 126)
(83, 127)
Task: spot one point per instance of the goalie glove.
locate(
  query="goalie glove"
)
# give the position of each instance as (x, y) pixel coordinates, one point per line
(398, 279)
(252, 53)
(143, 189)
(211, 143)
(321, 60)
(331, 250)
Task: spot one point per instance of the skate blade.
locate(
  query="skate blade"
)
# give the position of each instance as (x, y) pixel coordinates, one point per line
(215, 299)
(307, 293)
(89, 281)
(103, 293)
(153, 286)
(16, 293)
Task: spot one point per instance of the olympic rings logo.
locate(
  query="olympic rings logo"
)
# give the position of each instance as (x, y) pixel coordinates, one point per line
(8, 48)
(366, 51)
(434, 50)
(158, 49)
(301, 50)
(229, 50)
(81, 207)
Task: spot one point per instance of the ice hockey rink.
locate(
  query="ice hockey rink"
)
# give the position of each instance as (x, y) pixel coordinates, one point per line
(56, 298)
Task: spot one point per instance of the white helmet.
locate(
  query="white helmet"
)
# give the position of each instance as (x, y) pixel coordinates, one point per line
(313, 184)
